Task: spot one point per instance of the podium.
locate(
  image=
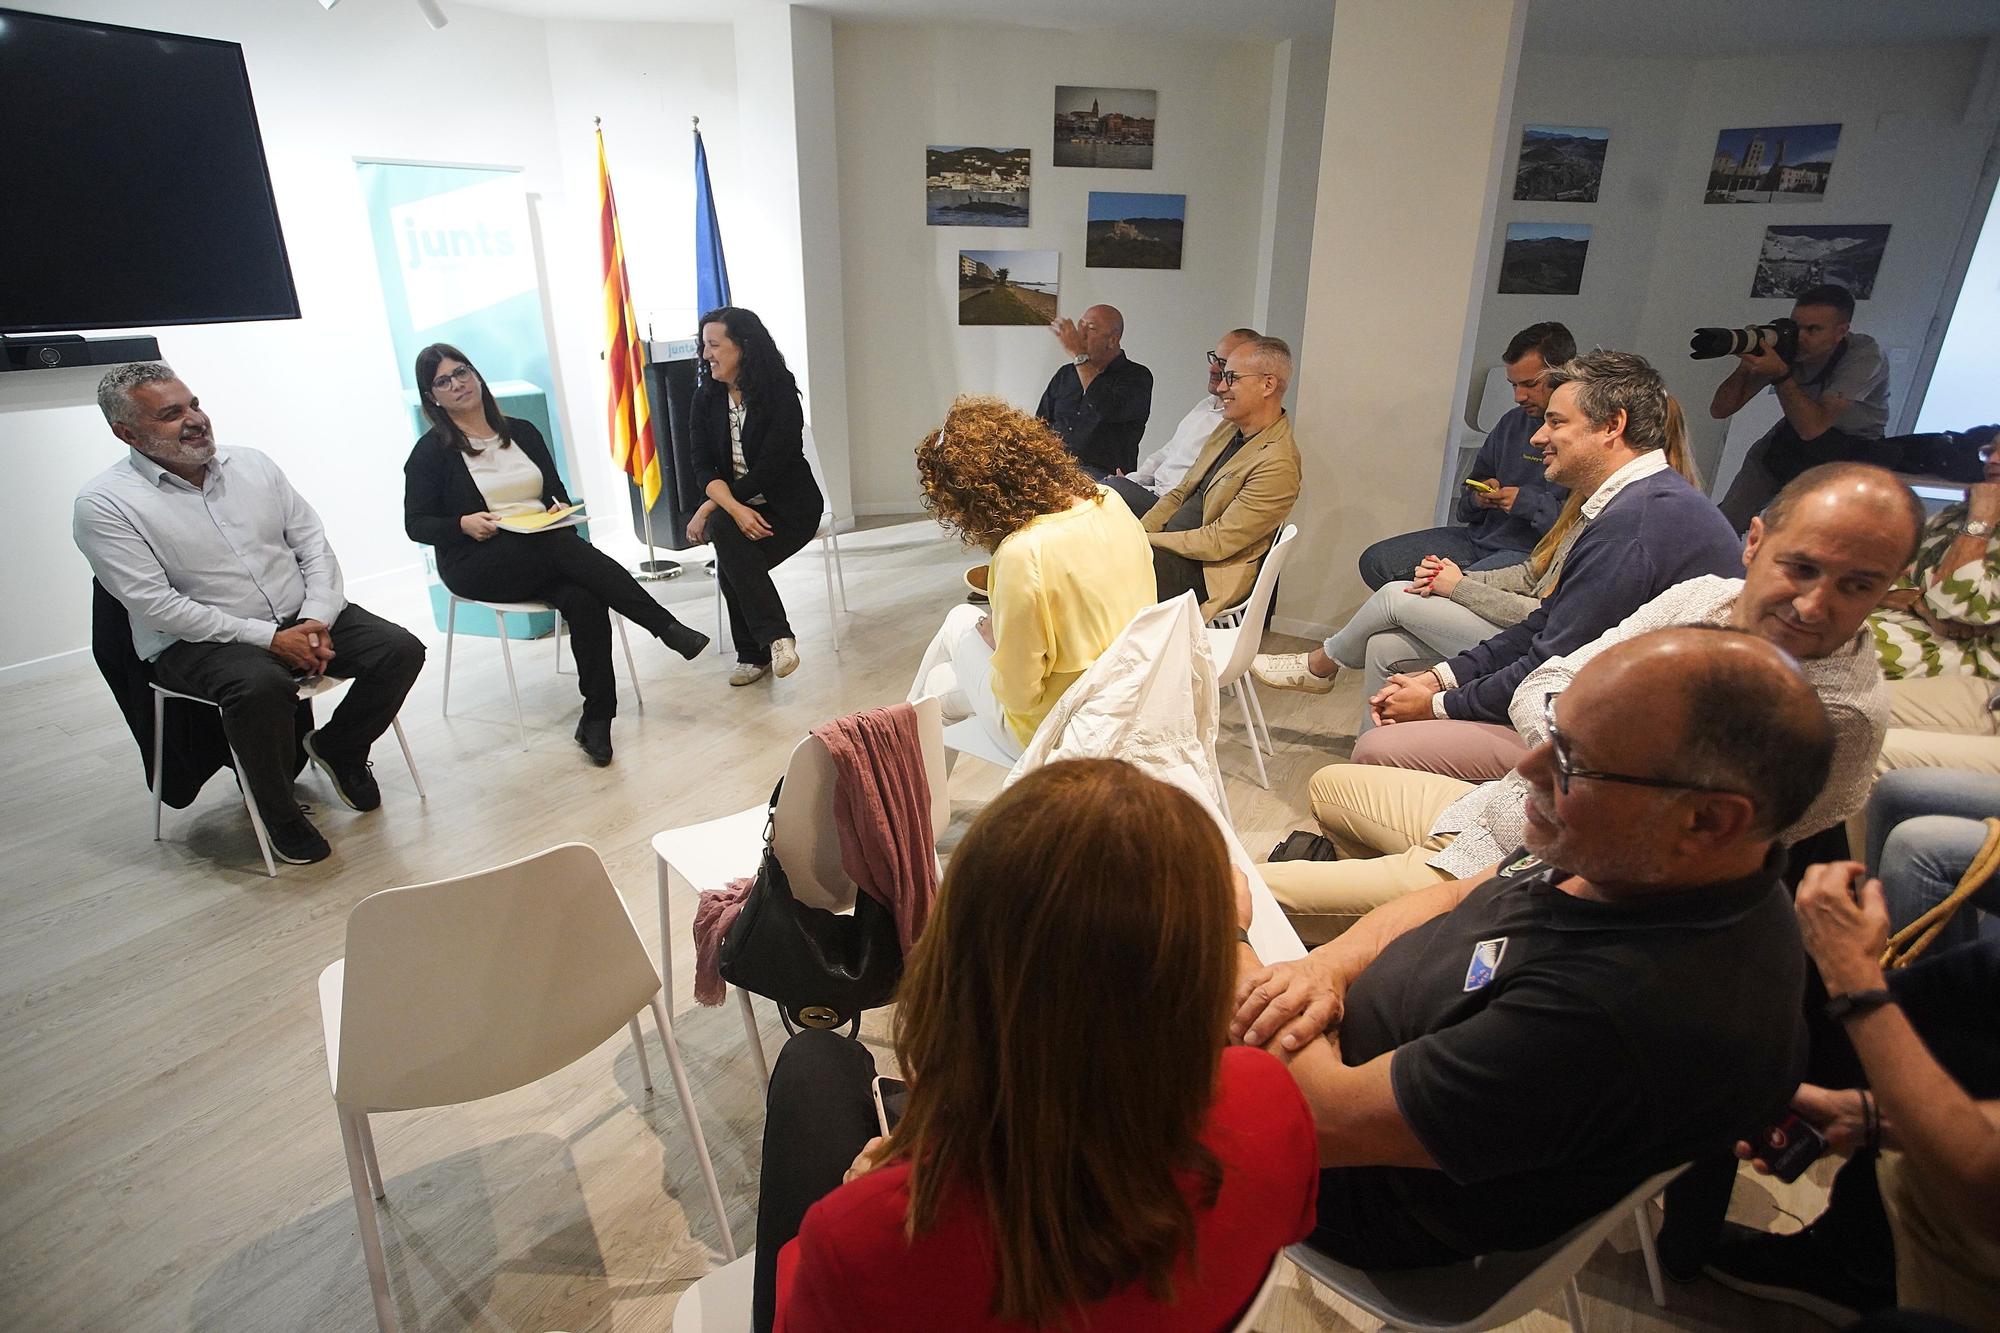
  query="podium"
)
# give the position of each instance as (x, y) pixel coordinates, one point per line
(671, 375)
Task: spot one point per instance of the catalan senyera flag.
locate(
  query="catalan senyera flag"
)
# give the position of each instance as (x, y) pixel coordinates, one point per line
(624, 351)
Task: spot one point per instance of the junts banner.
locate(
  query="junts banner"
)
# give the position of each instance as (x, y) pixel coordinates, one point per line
(455, 257)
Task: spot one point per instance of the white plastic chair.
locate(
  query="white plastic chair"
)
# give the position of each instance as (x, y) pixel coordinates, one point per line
(468, 987)
(1234, 637)
(709, 855)
(828, 537)
(317, 687)
(720, 1301)
(501, 610)
(1494, 1289)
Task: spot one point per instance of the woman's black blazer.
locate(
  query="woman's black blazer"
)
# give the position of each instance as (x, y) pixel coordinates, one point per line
(773, 448)
(438, 488)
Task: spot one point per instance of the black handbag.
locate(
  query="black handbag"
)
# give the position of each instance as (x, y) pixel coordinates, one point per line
(821, 968)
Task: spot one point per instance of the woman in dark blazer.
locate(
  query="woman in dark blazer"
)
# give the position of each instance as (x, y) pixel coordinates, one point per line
(474, 468)
(750, 461)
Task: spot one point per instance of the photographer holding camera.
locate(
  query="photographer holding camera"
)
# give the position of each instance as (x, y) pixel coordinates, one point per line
(1832, 384)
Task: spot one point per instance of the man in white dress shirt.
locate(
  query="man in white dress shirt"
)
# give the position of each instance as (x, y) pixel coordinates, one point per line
(1161, 471)
(235, 596)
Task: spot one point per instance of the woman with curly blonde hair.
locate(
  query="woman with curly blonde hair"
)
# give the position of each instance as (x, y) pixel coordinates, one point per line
(1071, 566)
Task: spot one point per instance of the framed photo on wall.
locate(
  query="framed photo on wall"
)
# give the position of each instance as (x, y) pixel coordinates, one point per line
(1133, 230)
(1007, 286)
(1105, 127)
(975, 187)
(1544, 258)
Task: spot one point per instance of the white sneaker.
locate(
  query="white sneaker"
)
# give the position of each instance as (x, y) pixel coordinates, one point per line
(1288, 671)
(749, 673)
(784, 657)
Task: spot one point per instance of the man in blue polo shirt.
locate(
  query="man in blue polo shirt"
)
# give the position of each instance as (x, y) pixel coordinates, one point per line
(1514, 504)
(1492, 1061)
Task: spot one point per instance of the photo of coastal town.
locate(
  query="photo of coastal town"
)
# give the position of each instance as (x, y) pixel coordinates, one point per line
(1772, 163)
(1560, 164)
(975, 187)
(1007, 286)
(1105, 127)
(1134, 230)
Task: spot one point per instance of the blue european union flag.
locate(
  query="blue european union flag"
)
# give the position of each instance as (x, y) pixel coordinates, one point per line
(711, 271)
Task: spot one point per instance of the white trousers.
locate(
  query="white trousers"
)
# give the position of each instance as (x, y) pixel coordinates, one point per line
(956, 670)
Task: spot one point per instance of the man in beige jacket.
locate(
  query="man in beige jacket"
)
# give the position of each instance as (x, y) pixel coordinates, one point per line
(1210, 532)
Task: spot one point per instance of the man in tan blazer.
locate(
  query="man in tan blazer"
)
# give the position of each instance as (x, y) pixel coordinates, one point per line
(1209, 532)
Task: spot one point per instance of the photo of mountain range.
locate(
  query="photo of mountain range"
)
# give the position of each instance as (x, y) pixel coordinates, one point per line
(1560, 163)
(1544, 258)
(1794, 258)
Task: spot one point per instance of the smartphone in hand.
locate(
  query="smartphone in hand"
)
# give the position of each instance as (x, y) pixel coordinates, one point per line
(890, 1096)
(1788, 1146)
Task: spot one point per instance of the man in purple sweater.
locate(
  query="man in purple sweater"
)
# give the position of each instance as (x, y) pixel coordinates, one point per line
(1645, 528)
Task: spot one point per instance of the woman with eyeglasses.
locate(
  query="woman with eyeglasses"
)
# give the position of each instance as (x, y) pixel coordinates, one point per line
(1070, 568)
(762, 503)
(1047, 1172)
(475, 469)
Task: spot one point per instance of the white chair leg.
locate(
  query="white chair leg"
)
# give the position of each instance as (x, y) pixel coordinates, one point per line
(1250, 727)
(367, 1136)
(560, 623)
(507, 660)
(371, 1235)
(256, 816)
(686, 1095)
(1650, 1250)
(826, 569)
(159, 755)
(661, 875)
(639, 1049)
(630, 669)
(410, 760)
(1573, 1305)
(1257, 710)
(721, 618)
(839, 570)
(756, 1039)
(450, 637)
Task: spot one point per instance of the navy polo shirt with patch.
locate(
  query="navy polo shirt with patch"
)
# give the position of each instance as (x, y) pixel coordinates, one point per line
(1554, 1051)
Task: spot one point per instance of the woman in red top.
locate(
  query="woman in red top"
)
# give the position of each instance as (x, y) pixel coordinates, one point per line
(1078, 1150)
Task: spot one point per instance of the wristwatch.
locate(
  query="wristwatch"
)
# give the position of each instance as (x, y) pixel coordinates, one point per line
(1081, 358)
(1856, 1002)
(1976, 527)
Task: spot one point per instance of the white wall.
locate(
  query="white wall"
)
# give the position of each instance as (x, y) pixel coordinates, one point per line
(900, 87)
(1294, 133)
(1662, 262)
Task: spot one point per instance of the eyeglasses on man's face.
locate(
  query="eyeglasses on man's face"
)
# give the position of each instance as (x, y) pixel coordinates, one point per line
(1229, 377)
(463, 375)
(1216, 363)
(1566, 769)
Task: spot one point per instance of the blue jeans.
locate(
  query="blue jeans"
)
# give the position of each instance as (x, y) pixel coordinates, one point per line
(1396, 557)
(1923, 831)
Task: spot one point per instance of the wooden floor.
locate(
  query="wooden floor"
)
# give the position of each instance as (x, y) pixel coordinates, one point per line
(169, 1157)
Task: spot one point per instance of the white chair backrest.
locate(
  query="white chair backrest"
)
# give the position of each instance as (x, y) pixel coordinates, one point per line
(467, 987)
(1250, 629)
(818, 470)
(1568, 1260)
(802, 829)
(1496, 400)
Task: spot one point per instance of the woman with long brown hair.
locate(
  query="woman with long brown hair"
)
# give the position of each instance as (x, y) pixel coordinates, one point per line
(1071, 566)
(1078, 1147)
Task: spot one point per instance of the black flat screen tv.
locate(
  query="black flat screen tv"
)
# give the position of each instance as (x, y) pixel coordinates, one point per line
(133, 187)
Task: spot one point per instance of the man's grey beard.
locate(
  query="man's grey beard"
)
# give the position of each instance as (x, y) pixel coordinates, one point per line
(176, 452)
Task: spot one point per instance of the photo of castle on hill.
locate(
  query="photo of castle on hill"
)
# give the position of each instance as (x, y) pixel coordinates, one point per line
(1105, 127)
(1134, 230)
(1544, 258)
(975, 187)
(1007, 286)
(1772, 163)
(1560, 164)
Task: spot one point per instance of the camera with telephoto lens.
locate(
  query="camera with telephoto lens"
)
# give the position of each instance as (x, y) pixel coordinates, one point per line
(1780, 336)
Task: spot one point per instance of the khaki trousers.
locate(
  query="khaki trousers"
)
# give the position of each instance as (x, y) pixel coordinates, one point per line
(1935, 722)
(1379, 819)
(1942, 1266)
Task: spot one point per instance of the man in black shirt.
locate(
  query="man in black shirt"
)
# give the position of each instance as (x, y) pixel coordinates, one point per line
(1495, 1060)
(1099, 402)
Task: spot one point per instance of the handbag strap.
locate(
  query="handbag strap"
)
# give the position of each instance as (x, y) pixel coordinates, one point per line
(1906, 944)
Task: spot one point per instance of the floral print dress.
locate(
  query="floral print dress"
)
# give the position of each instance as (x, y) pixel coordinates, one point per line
(1970, 595)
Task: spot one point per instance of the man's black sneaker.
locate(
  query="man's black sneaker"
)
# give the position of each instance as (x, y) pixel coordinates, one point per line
(1801, 1270)
(594, 735)
(296, 842)
(352, 782)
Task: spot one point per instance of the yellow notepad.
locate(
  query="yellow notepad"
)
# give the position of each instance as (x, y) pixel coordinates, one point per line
(566, 517)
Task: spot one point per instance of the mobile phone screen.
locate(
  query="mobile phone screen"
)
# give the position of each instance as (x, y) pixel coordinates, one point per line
(890, 1095)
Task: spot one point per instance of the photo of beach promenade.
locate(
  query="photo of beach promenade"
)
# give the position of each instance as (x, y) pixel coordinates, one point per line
(975, 187)
(1007, 286)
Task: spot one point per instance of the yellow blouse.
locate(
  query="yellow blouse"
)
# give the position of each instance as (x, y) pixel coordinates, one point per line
(1062, 589)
